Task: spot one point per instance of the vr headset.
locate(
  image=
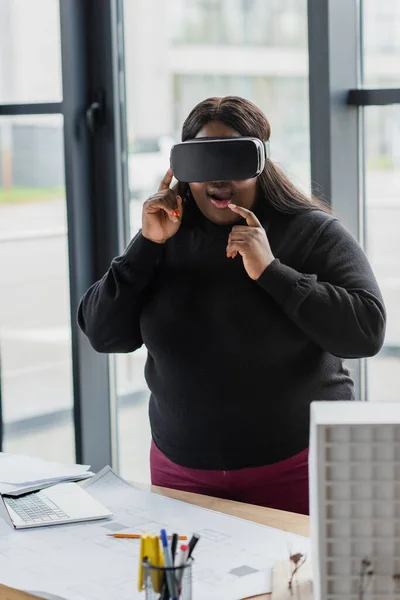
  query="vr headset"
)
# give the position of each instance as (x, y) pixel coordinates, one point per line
(218, 159)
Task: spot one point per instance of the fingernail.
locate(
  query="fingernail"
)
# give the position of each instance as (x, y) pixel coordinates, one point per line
(175, 212)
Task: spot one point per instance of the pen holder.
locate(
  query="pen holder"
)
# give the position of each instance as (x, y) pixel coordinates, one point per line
(155, 581)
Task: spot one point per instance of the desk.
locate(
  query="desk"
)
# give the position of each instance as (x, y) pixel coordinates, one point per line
(293, 523)
(278, 519)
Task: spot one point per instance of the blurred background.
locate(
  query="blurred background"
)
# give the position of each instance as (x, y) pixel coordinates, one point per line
(192, 50)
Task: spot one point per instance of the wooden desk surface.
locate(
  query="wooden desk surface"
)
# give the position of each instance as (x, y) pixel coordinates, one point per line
(291, 522)
(286, 521)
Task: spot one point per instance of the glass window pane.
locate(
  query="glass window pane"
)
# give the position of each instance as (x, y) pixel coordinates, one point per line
(239, 22)
(251, 48)
(381, 27)
(383, 240)
(35, 344)
(30, 57)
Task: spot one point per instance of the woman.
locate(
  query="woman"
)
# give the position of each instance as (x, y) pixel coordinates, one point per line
(247, 295)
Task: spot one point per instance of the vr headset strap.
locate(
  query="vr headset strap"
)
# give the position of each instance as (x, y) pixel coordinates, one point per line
(267, 148)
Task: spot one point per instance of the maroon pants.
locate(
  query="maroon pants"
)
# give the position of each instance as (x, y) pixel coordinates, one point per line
(283, 485)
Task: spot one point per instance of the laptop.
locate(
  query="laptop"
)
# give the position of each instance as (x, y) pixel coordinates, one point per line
(56, 505)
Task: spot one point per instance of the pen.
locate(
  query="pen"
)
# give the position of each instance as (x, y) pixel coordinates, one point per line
(182, 560)
(174, 544)
(192, 544)
(164, 592)
(137, 536)
(171, 580)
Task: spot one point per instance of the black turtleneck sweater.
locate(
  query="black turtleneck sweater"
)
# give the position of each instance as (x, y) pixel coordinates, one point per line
(233, 363)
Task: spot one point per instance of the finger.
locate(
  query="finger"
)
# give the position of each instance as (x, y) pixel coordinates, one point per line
(166, 181)
(160, 203)
(176, 205)
(177, 212)
(172, 199)
(240, 236)
(230, 252)
(168, 195)
(156, 204)
(236, 247)
(233, 240)
(250, 217)
(168, 198)
(243, 228)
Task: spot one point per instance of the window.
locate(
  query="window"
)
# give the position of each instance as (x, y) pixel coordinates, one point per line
(383, 242)
(239, 22)
(381, 21)
(30, 56)
(202, 48)
(35, 327)
(35, 344)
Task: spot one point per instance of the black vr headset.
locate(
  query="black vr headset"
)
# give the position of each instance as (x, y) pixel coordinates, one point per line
(218, 159)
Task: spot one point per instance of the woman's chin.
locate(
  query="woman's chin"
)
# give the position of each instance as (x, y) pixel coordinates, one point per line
(220, 216)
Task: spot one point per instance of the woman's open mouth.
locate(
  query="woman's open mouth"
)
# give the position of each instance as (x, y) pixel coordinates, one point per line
(220, 197)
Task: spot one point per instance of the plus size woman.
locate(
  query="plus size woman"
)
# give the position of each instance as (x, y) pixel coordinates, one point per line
(248, 296)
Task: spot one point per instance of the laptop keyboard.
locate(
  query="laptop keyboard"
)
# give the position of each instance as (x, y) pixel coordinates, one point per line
(32, 508)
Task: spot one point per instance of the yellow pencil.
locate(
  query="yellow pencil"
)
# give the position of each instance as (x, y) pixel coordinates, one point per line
(137, 536)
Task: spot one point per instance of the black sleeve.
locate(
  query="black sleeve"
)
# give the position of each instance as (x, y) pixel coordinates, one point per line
(109, 311)
(337, 302)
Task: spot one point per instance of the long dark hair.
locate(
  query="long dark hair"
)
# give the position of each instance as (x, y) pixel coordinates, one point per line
(248, 120)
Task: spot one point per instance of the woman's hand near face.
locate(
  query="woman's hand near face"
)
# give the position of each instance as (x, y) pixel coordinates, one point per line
(162, 213)
(251, 242)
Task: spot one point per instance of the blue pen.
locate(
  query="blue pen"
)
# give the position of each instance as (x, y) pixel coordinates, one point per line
(171, 580)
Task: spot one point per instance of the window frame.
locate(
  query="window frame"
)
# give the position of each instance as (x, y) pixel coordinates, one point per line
(337, 100)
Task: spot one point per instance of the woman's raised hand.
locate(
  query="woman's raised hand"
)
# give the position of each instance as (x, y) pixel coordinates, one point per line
(251, 242)
(162, 213)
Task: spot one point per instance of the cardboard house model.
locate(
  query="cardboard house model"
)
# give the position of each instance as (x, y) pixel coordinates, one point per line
(354, 470)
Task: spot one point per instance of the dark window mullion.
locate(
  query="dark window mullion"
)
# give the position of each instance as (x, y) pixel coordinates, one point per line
(94, 203)
(46, 108)
(373, 97)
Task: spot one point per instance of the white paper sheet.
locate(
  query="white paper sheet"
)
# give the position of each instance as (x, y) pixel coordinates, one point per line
(18, 469)
(79, 562)
(15, 490)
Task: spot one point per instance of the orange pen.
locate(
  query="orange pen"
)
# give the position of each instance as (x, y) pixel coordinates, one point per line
(137, 536)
